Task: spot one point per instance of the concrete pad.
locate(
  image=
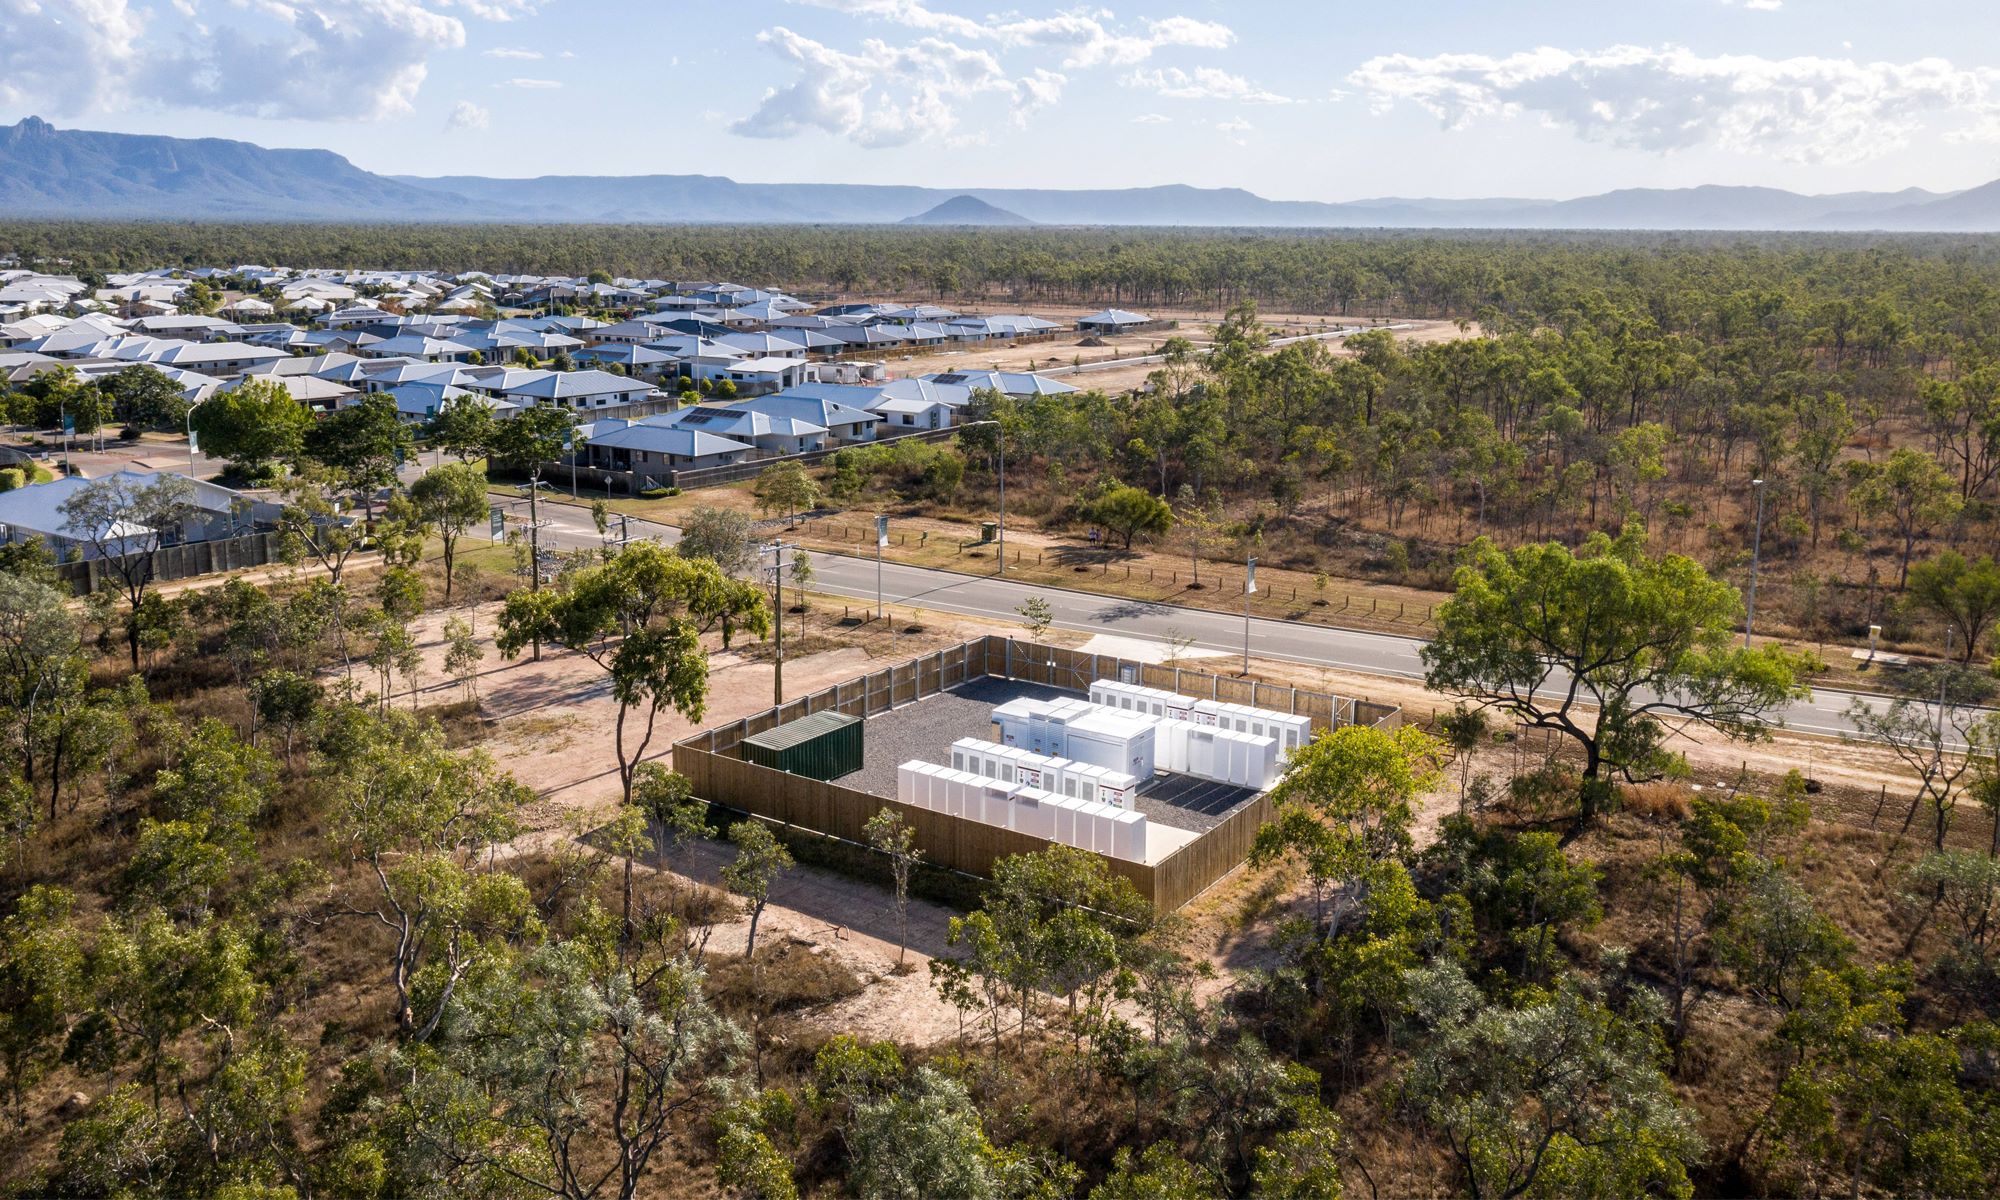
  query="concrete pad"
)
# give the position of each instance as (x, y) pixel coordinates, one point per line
(1146, 650)
(1162, 840)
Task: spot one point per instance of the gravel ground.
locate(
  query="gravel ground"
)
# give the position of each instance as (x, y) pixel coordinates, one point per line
(925, 730)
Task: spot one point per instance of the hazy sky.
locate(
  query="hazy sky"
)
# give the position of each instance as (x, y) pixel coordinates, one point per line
(1290, 99)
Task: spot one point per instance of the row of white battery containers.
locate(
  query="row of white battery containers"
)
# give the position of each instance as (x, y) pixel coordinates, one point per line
(1289, 730)
(1065, 777)
(1219, 755)
(1080, 731)
(1085, 824)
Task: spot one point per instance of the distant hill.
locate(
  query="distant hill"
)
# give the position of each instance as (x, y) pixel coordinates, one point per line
(966, 210)
(1975, 210)
(74, 173)
(45, 171)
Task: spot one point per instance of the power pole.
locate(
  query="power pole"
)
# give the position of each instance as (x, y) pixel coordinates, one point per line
(777, 552)
(535, 546)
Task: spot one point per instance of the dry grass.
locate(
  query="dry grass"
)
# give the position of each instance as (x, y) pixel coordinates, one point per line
(1658, 801)
(792, 976)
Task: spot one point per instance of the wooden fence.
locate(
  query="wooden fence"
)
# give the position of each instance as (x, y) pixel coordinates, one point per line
(711, 763)
(179, 562)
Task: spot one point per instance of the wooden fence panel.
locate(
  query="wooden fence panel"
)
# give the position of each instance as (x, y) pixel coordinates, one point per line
(827, 808)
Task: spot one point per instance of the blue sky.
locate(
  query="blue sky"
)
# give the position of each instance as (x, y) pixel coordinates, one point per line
(1293, 100)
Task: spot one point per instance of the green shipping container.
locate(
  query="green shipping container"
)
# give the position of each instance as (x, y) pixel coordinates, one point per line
(824, 745)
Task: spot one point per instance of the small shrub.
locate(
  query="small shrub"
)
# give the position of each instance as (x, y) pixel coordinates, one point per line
(1662, 800)
(1545, 792)
(11, 478)
(790, 976)
(658, 493)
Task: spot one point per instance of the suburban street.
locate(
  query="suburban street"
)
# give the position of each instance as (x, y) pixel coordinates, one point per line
(1367, 653)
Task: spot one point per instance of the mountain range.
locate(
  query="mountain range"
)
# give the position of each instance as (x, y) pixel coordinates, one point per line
(50, 172)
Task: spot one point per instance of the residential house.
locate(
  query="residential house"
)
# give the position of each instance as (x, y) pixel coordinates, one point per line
(1001, 327)
(419, 347)
(217, 358)
(772, 435)
(842, 411)
(646, 453)
(581, 391)
(638, 361)
(759, 376)
(1113, 320)
(319, 395)
(1021, 385)
(36, 511)
(765, 345)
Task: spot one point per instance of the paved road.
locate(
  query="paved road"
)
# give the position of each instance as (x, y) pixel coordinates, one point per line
(987, 596)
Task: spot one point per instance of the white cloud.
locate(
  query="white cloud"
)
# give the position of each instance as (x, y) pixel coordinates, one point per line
(1829, 110)
(1152, 119)
(890, 95)
(1203, 83)
(1082, 35)
(467, 115)
(304, 58)
(495, 10)
(887, 95)
(1040, 90)
(359, 60)
(541, 85)
(65, 55)
(1186, 31)
(1235, 130)
(511, 52)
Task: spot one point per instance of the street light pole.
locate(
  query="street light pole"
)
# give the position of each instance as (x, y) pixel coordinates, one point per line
(881, 540)
(1756, 550)
(1249, 590)
(1001, 438)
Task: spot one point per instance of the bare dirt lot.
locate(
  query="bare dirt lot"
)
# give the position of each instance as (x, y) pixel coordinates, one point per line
(1067, 350)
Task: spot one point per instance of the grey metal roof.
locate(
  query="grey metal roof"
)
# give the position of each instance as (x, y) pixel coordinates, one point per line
(668, 439)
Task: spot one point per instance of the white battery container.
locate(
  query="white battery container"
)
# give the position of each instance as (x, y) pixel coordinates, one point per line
(1128, 836)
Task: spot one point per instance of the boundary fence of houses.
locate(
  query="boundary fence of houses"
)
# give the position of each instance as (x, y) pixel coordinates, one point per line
(179, 562)
(712, 764)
